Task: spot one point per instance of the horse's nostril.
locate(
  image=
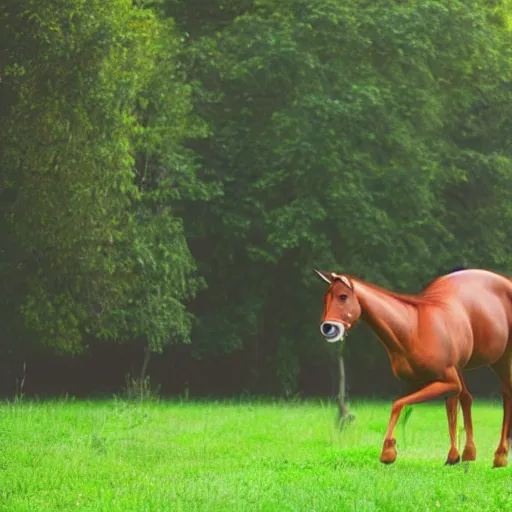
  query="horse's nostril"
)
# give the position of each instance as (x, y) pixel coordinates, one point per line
(329, 330)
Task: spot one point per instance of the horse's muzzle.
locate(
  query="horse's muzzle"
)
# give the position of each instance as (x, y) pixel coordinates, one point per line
(332, 331)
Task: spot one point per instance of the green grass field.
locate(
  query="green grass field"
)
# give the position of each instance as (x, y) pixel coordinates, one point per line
(220, 456)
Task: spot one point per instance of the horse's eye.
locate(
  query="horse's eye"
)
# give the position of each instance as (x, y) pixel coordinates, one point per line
(343, 297)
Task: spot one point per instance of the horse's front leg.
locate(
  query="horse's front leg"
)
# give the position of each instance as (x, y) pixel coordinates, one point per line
(451, 412)
(466, 401)
(449, 386)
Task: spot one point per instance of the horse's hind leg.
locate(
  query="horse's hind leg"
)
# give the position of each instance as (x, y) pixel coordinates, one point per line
(466, 400)
(501, 453)
(503, 369)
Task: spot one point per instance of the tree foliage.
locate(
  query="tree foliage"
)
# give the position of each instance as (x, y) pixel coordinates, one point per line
(92, 162)
(342, 131)
(150, 148)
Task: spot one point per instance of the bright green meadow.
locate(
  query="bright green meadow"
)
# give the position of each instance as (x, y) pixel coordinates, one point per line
(239, 456)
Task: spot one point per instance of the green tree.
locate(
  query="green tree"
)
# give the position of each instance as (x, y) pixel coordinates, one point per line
(336, 131)
(93, 114)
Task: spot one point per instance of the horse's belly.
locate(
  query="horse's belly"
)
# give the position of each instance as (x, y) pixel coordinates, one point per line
(491, 333)
(485, 354)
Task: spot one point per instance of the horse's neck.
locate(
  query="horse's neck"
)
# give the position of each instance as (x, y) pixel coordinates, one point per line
(392, 319)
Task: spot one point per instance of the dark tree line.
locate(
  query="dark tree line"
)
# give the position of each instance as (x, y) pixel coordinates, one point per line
(171, 172)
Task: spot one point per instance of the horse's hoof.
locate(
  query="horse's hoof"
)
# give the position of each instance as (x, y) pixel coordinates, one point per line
(500, 460)
(453, 457)
(388, 455)
(469, 453)
(451, 461)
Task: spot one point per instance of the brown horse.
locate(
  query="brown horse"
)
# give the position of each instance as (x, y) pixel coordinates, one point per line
(459, 322)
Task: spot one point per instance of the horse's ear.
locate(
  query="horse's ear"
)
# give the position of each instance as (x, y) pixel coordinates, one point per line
(325, 276)
(344, 279)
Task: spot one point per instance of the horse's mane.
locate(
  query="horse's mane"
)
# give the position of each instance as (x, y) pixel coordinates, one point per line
(413, 300)
(425, 297)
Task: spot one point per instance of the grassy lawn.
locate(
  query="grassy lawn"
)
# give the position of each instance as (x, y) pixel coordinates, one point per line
(220, 456)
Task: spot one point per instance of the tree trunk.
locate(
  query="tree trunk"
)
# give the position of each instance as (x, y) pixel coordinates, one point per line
(344, 415)
(145, 363)
(257, 354)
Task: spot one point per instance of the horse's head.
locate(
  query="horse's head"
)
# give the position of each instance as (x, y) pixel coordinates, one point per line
(341, 307)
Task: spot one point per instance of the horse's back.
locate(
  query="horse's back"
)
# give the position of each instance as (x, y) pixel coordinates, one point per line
(473, 283)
